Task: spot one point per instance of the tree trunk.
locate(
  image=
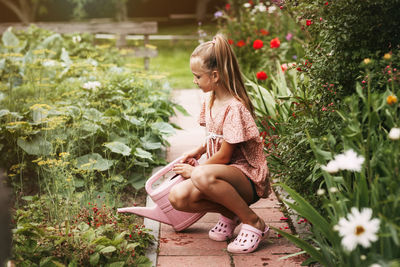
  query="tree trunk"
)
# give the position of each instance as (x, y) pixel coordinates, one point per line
(121, 10)
(24, 9)
(201, 9)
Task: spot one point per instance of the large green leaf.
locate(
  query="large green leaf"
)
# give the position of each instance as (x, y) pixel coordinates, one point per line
(108, 249)
(94, 259)
(143, 154)
(93, 161)
(119, 148)
(150, 142)
(163, 127)
(37, 146)
(9, 39)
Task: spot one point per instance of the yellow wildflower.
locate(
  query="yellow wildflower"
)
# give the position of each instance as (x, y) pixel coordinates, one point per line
(64, 154)
(387, 56)
(392, 99)
(367, 61)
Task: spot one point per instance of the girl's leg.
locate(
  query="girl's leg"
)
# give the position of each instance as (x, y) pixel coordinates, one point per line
(229, 187)
(217, 188)
(186, 197)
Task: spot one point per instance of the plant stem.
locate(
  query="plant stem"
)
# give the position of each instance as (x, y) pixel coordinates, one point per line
(367, 148)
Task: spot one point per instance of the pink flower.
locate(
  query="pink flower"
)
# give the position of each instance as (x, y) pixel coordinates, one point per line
(284, 67)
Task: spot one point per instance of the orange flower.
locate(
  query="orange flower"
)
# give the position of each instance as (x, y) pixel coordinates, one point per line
(240, 43)
(264, 32)
(392, 99)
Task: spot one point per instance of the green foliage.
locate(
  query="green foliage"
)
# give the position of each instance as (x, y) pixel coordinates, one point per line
(77, 122)
(369, 115)
(84, 103)
(95, 237)
(343, 33)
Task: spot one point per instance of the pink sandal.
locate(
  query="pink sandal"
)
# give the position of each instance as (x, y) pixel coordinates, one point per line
(248, 239)
(224, 229)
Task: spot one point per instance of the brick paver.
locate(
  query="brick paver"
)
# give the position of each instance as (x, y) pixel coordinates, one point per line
(192, 247)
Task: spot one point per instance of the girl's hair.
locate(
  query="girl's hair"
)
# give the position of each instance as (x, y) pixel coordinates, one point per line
(218, 55)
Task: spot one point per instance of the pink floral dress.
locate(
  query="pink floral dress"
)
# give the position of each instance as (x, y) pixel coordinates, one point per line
(234, 124)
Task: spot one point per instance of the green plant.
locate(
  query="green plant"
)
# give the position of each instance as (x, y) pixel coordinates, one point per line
(95, 237)
(365, 177)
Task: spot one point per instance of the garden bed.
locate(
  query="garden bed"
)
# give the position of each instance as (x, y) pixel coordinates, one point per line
(83, 128)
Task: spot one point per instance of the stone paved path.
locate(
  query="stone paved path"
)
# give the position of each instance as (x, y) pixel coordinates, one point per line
(192, 247)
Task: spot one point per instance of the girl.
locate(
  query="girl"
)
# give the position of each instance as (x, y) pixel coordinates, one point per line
(235, 174)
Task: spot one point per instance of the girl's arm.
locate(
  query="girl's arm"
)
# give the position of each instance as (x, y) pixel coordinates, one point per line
(223, 155)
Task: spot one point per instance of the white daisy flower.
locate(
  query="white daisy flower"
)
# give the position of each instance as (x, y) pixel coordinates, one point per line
(349, 161)
(375, 265)
(394, 134)
(91, 85)
(358, 229)
(247, 5)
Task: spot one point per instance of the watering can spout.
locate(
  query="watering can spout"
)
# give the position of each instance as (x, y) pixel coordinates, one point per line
(154, 213)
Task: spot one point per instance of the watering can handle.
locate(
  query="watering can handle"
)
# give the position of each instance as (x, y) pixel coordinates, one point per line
(159, 174)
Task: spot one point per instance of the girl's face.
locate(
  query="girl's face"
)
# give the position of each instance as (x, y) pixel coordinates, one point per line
(202, 78)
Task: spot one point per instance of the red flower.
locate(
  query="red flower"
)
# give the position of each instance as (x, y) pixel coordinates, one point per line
(326, 3)
(275, 43)
(230, 41)
(261, 75)
(240, 43)
(251, 2)
(258, 44)
(227, 7)
(264, 32)
(308, 22)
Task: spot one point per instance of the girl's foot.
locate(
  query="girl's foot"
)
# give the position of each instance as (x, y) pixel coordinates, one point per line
(224, 229)
(248, 239)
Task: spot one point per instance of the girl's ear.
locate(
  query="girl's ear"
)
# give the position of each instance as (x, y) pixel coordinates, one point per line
(215, 76)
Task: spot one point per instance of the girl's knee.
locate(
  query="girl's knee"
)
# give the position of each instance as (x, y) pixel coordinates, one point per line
(178, 197)
(202, 178)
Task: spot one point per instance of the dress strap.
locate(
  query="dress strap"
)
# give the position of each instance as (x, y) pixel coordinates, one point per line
(212, 137)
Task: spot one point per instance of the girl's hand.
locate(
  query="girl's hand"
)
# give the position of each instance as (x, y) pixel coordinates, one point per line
(185, 170)
(191, 156)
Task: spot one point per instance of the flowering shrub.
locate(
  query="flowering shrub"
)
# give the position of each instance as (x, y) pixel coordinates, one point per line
(250, 25)
(357, 228)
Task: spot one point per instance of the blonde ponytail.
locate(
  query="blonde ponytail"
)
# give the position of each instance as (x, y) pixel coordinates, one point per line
(218, 55)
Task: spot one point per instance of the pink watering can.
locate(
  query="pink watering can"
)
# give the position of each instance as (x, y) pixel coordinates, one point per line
(163, 210)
